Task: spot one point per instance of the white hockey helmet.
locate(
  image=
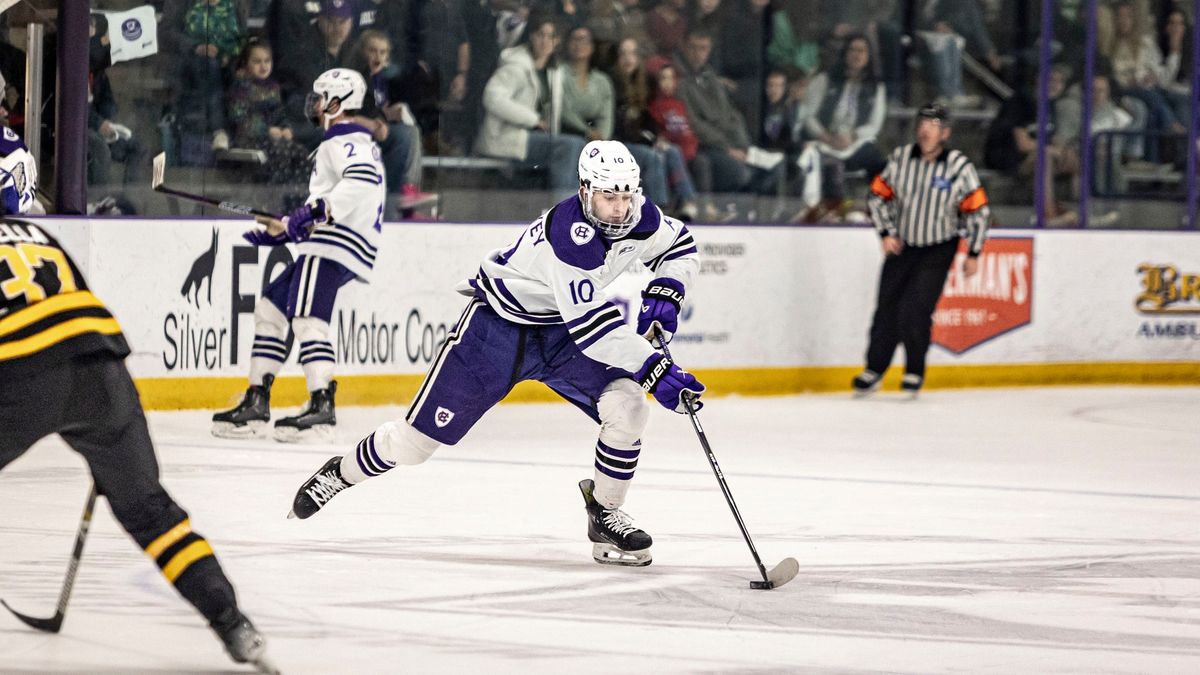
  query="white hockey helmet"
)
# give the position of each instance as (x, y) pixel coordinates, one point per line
(607, 166)
(342, 86)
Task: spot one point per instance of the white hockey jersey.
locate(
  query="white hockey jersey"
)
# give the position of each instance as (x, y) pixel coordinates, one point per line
(349, 175)
(557, 271)
(18, 174)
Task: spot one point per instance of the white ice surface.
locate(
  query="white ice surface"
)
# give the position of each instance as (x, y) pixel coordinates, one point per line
(996, 531)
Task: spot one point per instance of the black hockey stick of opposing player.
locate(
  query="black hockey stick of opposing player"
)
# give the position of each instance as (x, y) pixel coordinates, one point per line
(159, 175)
(787, 569)
(54, 623)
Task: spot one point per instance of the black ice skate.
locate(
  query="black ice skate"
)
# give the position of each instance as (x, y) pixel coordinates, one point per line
(865, 383)
(250, 416)
(911, 384)
(319, 489)
(314, 423)
(245, 644)
(615, 541)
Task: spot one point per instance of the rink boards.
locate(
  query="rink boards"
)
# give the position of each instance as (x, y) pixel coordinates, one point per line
(774, 310)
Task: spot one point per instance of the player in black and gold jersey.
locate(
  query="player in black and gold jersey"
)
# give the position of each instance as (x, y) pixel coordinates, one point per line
(62, 371)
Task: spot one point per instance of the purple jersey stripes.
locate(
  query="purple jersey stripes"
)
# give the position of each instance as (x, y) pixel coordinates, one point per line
(369, 460)
(616, 463)
(558, 268)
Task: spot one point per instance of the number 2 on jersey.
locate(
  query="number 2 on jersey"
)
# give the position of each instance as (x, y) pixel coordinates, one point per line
(34, 271)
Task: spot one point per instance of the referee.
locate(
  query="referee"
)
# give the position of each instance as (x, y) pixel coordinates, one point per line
(927, 197)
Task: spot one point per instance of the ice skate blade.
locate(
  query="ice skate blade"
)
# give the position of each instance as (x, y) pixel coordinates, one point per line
(779, 575)
(264, 665)
(607, 554)
(321, 433)
(250, 429)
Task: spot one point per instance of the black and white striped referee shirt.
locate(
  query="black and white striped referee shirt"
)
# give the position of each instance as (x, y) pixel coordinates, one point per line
(926, 203)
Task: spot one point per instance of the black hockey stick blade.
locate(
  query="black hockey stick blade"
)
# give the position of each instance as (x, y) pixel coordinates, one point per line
(51, 625)
(54, 623)
(778, 575)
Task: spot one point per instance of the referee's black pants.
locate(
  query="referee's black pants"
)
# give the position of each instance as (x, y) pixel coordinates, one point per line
(90, 401)
(909, 288)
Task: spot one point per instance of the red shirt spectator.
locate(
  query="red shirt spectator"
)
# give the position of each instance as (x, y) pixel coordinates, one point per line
(671, 115)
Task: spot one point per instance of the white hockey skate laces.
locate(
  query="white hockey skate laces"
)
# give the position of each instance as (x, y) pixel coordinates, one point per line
(325, 488)
(618, 521)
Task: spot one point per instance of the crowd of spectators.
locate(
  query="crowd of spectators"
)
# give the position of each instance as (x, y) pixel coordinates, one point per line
(771, 97)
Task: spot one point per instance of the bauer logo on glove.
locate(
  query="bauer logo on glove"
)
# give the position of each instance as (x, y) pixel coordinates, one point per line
(660, 307)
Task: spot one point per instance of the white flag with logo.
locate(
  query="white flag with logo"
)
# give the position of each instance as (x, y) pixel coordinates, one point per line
(132, 34)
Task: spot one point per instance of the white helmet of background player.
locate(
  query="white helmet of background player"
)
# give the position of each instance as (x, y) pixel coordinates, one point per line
(334, 92)
(607, 166)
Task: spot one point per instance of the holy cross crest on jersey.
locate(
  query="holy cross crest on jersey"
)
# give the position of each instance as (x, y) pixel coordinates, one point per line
(582, 233)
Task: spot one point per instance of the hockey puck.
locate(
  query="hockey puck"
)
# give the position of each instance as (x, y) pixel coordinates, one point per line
(762, 585)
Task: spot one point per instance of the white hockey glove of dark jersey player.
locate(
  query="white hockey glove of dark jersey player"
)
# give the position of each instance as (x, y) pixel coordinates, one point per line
(300, 222)
(660, 306)
(668, 383)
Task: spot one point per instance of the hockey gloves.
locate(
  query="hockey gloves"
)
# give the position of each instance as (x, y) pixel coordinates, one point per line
(301, 222)
(660, 305)
(669, 383)
(264, 238)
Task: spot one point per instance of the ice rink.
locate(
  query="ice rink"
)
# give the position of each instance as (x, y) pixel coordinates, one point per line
(993, 531)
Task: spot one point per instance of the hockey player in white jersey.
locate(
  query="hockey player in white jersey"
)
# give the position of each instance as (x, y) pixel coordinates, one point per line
(336, 233)
(18, 173)
(539, 312)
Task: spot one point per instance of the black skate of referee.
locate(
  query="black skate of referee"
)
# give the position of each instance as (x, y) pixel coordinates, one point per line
(926, 199)
(62, 371)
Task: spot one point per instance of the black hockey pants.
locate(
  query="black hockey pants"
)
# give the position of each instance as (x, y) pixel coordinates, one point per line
(90, 401)
(909, 288)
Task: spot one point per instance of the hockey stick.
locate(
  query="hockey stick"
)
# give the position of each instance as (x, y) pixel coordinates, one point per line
(787, 569)
(54, 623)
(159, 175)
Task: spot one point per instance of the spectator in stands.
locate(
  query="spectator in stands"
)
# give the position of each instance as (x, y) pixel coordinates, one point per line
(108, 140)
(782, 130)
(258, 119)
(741, 58)
(947, 29)
(794, 38)
(523, 110)
(326, 46)
(672, 122)
(401, 148)
(211, 40)
(1110, 150)
(1175, 43)
(567, 13)
(724, 138)
(588, 108)
(706, 17)
(879, 20)
(1011, 145)
(444, 54)
(613, 20)
(388, 17)
(290, 30)
(485, 22)
(1136, 61)
(634, 127)
(850, 106)
(667, 24)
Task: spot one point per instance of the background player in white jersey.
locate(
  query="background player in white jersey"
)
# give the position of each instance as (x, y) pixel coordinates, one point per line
(336, 233)
(18, 172)
(539, 312)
